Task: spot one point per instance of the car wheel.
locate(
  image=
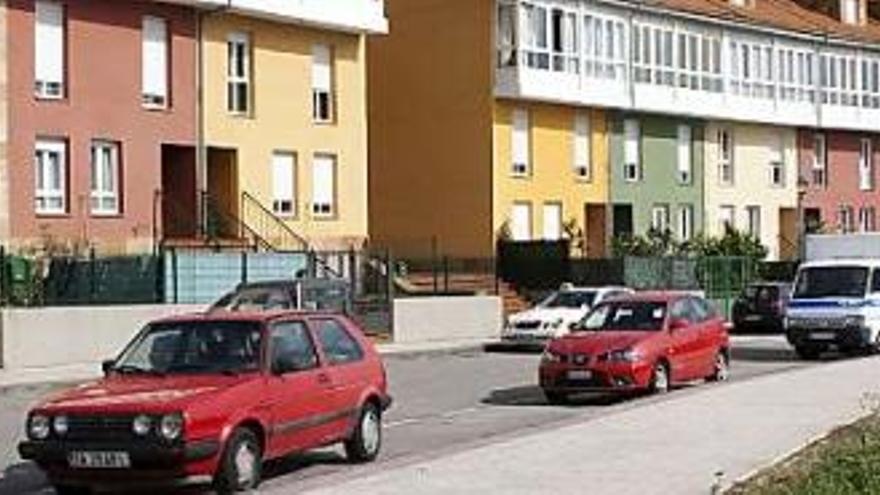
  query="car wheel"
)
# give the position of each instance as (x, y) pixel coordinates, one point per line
(808, 353)
(721, 370)
(241, 465)
(366, 442)
(556, 398)
(660, 379)
(62, 489)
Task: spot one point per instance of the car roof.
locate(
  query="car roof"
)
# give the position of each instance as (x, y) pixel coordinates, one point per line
(244, 316)
(655, 296)
(859, 262)
(266, 284)
(592, 288)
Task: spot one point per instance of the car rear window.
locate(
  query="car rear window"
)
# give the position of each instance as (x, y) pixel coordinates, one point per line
(338, 345)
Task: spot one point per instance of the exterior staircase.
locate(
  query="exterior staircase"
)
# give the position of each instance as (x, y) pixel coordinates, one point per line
(423, 283)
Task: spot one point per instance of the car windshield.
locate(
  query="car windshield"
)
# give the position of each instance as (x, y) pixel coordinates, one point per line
(255, 299)
(194, 347)
(625, 315)
(570, 299)
(832, 281)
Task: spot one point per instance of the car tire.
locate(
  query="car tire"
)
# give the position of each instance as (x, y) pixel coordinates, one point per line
(366, 441)
(660, 379)
(808, 353)
(556, 398)
(241, 466)
(62, 489)
(721, 368)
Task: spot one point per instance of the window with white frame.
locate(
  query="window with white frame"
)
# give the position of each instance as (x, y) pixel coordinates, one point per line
(685, 165)
(754, 219)
(660, 217)
(794, 74)
(632, 161)
(322, 84)
(850, 13)
(105, 178)
(668, 56)
(777, 163)
(751, 69)
(605, 47)
(845, 220)
(867, 219)
(284, 183)
(870, 83)
(521, 221)
(536, 46)
(866, 164)
(820, 160)
(50, 176)
(566, 42)
(238, 85)
(521, 143)
(582, 149)
(552, 221)
(154, 63)
(508, 25)
(685, 222)
(49, 39)
(323, 186)
(726, 218)
(839, 79)
(726, 174)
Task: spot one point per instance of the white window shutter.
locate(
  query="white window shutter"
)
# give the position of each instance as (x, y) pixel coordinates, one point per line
(552, 222)
(323, 180)
(49, 39)
(684, 152)
(521, 137)
(582, 149)
(282, 176)
(521, 222)
(631, 148)
(322, 78)
(155, 57)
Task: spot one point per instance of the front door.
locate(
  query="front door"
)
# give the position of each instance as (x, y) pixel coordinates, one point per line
(222, 200)
(299, 392)
(596, 227)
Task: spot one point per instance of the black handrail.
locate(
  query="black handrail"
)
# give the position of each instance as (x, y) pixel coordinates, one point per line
(217, 220)
(270, 226)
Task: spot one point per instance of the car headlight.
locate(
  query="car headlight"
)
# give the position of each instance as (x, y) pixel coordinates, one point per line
(171, 426)
(141, 425)
(855, 320)
(623, 356)
(38, 427)
(550, 357)
(60, 424)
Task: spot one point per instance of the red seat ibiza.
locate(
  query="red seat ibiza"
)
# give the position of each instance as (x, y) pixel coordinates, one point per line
(210, 397)
(646, 341)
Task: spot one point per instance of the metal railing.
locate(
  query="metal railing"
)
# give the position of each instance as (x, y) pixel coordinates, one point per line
(271, 228)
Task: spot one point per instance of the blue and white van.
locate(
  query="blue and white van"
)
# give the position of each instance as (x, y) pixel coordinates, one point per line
(835, 304)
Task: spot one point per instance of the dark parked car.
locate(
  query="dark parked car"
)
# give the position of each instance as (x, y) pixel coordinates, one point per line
(761, 307)
(307, 293)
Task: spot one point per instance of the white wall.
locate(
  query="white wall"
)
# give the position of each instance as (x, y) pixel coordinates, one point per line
(42, 338)
(435, 319)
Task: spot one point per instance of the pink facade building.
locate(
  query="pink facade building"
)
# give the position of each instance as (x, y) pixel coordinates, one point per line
(841, 193)
(101, 113)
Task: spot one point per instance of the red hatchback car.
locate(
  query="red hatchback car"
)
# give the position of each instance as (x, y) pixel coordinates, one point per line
(645, 341)
(209, 398)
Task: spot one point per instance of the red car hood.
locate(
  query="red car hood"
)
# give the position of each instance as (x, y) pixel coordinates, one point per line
(141, 394)
(598, 342)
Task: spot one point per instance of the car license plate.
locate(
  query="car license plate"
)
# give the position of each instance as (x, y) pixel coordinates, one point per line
(823, 336)
(580, 375)
(99, 460)
(753, 318)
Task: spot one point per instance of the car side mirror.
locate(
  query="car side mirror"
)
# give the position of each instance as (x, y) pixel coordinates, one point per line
(107, 366)
(677, 324)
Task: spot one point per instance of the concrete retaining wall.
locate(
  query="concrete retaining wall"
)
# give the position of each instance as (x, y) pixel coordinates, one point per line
(42, 338)
(434, 319)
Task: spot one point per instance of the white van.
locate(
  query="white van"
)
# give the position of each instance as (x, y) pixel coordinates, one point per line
(835, 304)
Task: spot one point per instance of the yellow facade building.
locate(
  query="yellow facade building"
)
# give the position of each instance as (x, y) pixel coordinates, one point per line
(285, 127)
(454, 166)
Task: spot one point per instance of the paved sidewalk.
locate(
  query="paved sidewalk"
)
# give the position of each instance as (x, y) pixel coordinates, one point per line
(671, 447)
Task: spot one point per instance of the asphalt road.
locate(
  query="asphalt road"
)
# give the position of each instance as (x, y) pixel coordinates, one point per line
(443, 403)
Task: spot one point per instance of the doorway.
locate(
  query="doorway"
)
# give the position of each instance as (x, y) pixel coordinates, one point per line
(178, 196)
(221, 200)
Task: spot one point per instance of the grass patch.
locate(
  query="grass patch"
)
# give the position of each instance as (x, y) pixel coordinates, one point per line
(846, 462)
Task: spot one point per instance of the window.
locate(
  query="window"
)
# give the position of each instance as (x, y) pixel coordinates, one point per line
(521, 143)
(49, 49)
(685, 222)
(726, 218)
(751, 69)
(660, 218)
(552, 221)
(507, 35)
(632, 151)
(875, 281)
(582, 149)
(324, 186)
(154, 65)
(725, 158)
(866, 165)
(521, 222)
(338, 345)
(284, 184)
(845, 221)
(238, 86)
(684, 154)
(536, 49)
(565, 41)
(673, 57)
(820, 161)
(754, 213)
(292, 348)
(849, 11)
(604, 47)
(867, 219)
(51, 177)
(105, 178)
(322, 84)
(777, 165)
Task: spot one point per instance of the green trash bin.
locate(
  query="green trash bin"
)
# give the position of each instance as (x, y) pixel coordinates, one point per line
(19, 273)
